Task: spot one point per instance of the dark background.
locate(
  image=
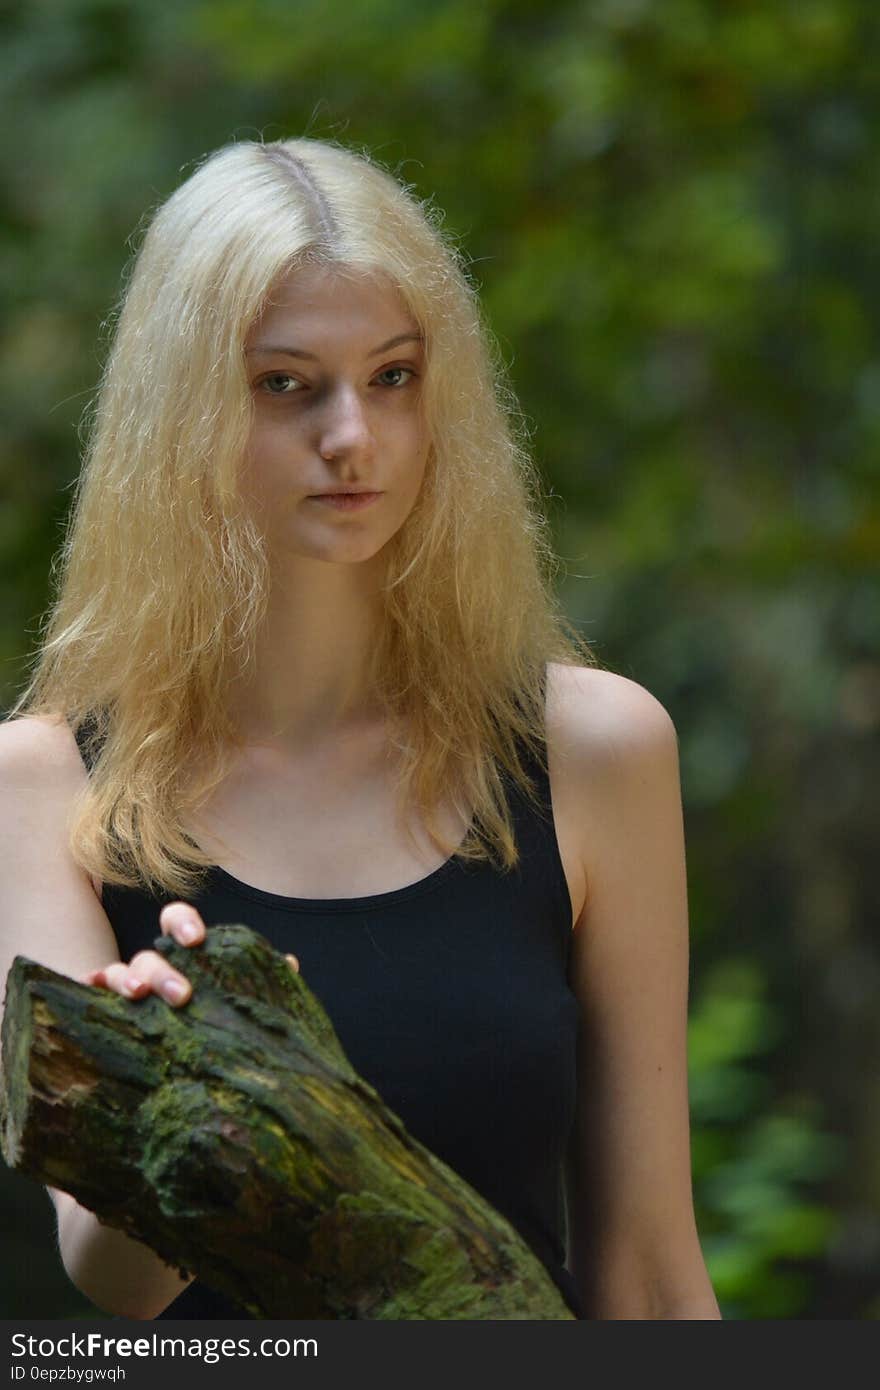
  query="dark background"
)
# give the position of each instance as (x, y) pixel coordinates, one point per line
(673, 212)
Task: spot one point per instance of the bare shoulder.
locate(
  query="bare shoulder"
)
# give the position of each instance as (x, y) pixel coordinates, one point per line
(38, 750)
(49, 910)
(608, 738)
(41, 770)
(596, 717)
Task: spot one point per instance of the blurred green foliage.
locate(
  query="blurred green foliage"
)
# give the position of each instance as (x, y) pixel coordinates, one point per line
(757, 1159)
(671, 210)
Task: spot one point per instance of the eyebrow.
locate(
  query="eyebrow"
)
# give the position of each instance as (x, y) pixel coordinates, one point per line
(311, 357)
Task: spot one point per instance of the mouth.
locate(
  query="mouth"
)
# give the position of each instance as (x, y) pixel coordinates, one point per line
(346, 501)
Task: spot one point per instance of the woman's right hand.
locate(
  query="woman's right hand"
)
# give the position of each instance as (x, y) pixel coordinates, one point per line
(148, 972)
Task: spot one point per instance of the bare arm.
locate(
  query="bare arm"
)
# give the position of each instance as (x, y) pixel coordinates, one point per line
(116, 1273)
(634, 1243)
(51, 914)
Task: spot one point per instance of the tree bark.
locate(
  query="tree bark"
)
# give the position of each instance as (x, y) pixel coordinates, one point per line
(235, 1139)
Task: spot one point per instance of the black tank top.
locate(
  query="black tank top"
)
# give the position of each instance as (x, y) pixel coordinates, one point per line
(450, 996)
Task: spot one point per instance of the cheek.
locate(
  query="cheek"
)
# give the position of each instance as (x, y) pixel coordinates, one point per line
(269, 461)
(414, 446)
(268, 438)
(411, 472)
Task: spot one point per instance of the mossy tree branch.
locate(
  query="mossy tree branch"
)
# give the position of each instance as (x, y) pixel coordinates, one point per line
(235, 1139)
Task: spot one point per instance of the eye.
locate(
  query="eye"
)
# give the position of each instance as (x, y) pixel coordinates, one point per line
(388, 371)
(279, 376)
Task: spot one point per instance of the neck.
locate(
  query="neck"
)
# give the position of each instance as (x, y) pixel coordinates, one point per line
(308, 682)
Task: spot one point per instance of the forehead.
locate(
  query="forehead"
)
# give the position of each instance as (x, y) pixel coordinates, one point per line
(322, 298)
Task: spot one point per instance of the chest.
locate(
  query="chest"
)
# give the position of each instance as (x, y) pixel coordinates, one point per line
(328, 825)
(319, 827)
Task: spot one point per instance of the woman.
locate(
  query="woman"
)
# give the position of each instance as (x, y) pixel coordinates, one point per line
(304, 670)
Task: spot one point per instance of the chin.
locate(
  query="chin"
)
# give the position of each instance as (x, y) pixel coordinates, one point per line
(338, 550)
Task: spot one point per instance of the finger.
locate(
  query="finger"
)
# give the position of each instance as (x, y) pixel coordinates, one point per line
(161, 977)
(147, 972)
(121, 980)
(92, 977)
(182, 922)
(292, 962)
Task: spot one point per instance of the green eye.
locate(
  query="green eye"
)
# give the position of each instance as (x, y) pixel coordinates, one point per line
(278, 376)
(408, 372)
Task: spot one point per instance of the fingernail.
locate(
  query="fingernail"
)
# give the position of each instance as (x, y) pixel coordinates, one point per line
(189, 931)
(173, 990)
(131, 985)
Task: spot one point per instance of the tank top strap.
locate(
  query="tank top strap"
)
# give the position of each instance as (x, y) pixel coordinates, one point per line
(84, 736)
(540, 865)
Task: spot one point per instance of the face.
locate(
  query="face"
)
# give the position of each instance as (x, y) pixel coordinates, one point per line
(335, 368)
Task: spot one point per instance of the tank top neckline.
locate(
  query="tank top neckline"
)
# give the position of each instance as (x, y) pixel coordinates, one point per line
(221, 878)
(362, 903)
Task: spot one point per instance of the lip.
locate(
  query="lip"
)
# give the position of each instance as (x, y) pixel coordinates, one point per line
(347, 501)
(343, 491)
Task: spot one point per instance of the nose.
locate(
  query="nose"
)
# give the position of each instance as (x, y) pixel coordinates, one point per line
(343, 427)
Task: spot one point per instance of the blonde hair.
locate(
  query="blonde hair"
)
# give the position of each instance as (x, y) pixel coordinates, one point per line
(162, 580)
